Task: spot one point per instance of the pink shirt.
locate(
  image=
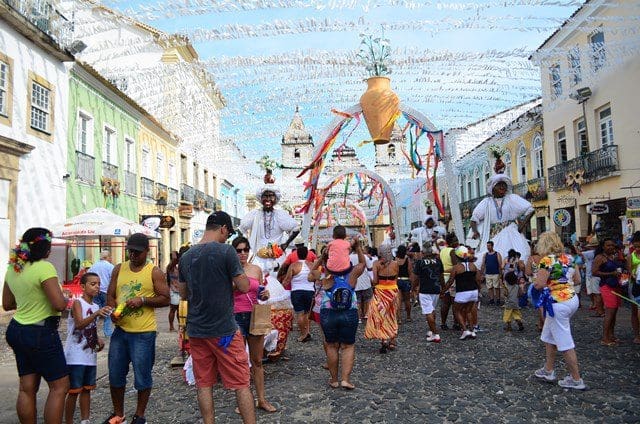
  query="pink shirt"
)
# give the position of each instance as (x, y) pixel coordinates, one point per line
(339, 250)
(243, 302)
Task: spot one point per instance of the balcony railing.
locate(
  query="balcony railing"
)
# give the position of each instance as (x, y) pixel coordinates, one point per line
(146, 188)
(466, 208)
(174, 197)
(187, 193)
(130, 186)
(199, 201)
(45, 17)
(109, 171)
(210, 203)
(593, 166)
(533, 190)
(85, 168)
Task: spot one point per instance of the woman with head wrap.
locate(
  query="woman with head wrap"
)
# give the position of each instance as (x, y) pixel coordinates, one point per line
(501, 217)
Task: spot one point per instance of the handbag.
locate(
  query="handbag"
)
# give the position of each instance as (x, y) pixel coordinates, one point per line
(260, 323)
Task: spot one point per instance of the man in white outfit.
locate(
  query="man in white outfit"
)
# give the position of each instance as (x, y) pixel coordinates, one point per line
(501, 218)
(268, 225)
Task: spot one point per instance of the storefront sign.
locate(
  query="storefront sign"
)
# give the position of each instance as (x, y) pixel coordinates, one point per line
(562, 217)
(633, 203)
(597, 209)
(167, 221)
(185, 211)
(152, 222)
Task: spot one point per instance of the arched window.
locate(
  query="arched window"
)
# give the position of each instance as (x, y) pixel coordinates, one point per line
(486, 174)
(507, 161)
(296, 153)
(476, 177)
(522, 163)
(538, 161)
(461, 185)
(391, 151)
(469, 188)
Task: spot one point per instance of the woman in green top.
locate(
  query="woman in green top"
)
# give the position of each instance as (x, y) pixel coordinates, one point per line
(31, 289)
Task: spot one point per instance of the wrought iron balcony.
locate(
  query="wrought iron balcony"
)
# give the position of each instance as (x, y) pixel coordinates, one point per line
(187, 193)
(174, 197)
(533, 190)
(147, 188)
(109, 171)
(593, 166)
(210, 203)
(85, 168)
(130, 186)
(466, 208)
(199, 201)
(45, 17)
(162, 189)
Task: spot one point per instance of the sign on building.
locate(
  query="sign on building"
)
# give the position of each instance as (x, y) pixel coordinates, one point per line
(597, 209)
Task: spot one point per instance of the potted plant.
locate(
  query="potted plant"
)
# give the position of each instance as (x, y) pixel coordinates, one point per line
(379, 103)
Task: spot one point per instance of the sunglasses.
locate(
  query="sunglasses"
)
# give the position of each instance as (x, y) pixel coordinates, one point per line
(245, 250)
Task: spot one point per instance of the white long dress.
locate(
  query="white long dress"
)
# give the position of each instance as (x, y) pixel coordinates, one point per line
(263, 228)
(489, 212)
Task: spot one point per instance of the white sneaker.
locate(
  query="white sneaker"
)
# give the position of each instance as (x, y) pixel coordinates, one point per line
(434, 338)
(569, 383)
(429, 334)
(473, 334)
(545, 375)
(465, 334)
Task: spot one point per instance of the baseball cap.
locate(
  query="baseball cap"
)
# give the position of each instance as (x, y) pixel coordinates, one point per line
(221, 218)
(138, 242)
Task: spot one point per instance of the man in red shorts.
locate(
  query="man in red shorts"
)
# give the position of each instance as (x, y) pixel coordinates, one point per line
(209, 273)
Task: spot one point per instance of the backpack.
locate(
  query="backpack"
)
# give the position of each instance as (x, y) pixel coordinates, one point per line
(341, 294)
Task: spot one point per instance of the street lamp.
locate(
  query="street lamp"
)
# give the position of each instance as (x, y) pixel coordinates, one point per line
(161, 205)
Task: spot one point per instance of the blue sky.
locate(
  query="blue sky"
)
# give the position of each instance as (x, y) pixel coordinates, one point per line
(262, 98)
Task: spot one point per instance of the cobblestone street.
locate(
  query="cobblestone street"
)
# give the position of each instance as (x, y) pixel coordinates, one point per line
(488, 380)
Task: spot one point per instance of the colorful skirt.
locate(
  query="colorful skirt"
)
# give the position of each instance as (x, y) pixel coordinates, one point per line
(282, 320)
(382, 323)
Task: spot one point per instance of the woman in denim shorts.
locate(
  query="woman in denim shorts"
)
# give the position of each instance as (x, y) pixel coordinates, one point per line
(33, 291)
(339, 326)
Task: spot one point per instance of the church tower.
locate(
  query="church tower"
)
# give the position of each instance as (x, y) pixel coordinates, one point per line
(296, 150)
(389, 159)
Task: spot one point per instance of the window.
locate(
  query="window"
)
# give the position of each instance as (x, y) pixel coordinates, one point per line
(391, 151)
(605, 124)
(160, 168)
(146, 162)
(538, 161)
(206, 182)
(130, 154)
(598, 54)
(109, 147)
(85, 133)
(469, 192)
(183, 168)
(461, 185)
(40, 107)
(487, 175)
(574, 65)
(582, 142)
(556, 81)
(196, 180)
(522, 163)
(561, 145)
(296, 154)
(173, 175)
(4, 88)
(507, 163)
(476, 176)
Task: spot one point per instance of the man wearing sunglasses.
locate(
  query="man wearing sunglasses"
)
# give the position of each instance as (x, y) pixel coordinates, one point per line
(209, 272)
(138, 286)
(268, 225)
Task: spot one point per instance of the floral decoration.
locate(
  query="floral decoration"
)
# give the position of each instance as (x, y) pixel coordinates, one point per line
(374, 54)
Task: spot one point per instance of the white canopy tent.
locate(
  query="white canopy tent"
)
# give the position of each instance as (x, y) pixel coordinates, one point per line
(99, 222)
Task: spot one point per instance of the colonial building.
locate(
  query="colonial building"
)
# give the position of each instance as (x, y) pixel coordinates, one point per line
(590, 74)
(33, 120)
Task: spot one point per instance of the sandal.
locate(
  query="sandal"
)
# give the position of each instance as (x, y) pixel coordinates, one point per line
(596, 316)
(267, 407)
(609, 344)
(384, 347)
(392, 346)
(334, 384)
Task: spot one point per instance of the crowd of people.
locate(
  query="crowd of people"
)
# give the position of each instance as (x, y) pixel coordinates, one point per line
(346, 285)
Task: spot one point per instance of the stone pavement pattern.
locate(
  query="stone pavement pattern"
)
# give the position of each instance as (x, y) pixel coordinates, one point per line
(488, 380)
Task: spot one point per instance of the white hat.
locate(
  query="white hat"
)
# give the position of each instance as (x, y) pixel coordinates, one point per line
(498, 178)
(268, 187)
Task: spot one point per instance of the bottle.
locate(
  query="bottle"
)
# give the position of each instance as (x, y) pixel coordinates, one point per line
(119, 310)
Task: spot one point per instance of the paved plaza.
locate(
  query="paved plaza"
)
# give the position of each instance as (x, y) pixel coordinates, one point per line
(488, 380)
